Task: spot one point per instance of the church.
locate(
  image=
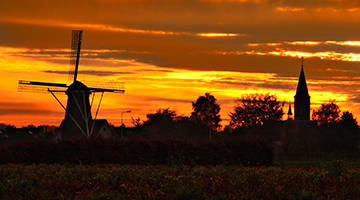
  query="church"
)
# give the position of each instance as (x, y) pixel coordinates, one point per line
(296, 133)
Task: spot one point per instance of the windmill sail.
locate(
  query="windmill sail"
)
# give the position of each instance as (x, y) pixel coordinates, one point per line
(75, 54)
(40, 87)
(105, 87)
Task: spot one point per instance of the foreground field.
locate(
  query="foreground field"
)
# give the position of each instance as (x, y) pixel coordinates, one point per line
(332, 181)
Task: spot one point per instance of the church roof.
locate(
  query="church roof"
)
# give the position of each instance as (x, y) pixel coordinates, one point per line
(302, 90)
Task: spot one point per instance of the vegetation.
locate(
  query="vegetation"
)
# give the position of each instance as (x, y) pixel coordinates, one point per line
(206, 111)
(327, 113)
(140, 151)
(335, 133)
(166, 123)
(107, 181)
(255, 109)
(254, 116)
(171, 157)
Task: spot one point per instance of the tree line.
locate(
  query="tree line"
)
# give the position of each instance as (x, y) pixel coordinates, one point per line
(251, 111)
(259, 116)
(254, 116)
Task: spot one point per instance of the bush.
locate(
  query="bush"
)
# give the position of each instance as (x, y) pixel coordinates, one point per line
(140, 151)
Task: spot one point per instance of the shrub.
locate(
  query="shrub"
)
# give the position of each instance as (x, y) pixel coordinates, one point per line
(140, 151)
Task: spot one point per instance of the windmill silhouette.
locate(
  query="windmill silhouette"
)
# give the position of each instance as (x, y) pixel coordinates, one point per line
(78, 119)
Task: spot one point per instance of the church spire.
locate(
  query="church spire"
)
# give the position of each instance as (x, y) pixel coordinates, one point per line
(302, 97)
(302, 90)
(289, 114)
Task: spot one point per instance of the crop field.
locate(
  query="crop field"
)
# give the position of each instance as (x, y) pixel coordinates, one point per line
(107, 181)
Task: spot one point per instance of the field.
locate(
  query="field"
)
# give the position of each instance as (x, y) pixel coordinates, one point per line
(332, 180)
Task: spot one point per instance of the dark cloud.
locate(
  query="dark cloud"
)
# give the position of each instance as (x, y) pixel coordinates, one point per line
(164, 99)
(89, 72)
(23, 108)
(155, 70)
(356, 99)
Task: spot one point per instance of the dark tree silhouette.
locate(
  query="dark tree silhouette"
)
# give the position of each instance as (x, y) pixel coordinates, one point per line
(159, 123)
(136, 122)
(327, 113)
(7, 127)
(255, 109)
(167, 123)
(349, 133)
(30, 126)
(348, 120)
(206, 111)
(162, 115)
(336, 134)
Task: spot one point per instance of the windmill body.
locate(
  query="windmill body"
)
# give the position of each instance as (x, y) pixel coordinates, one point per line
(78, 119)
(78, 107)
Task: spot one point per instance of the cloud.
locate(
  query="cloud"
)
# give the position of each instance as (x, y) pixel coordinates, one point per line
(186, 48)
(155, 70)
(355, 99)
(328, 55)
(24, 108)
(89, 72)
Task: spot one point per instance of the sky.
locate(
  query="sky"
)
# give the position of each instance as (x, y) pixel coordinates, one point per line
(170, 52)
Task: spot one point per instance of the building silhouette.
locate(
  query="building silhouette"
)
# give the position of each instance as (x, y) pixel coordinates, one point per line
(302, 97)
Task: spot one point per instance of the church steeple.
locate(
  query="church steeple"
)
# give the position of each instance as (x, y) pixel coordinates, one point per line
(289, 114)
(302, 97)
(302, 90)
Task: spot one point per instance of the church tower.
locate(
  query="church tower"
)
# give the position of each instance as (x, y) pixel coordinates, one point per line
(302, 98)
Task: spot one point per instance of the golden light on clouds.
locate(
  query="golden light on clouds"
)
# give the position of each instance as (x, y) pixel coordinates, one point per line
(308, 43)
(117, 29)
(149, 87)
(289, 9)
(217, 34)
(327, 55)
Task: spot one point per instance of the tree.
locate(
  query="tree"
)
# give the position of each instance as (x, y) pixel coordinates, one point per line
(336, 134)
(206, 111)
(349, 133)
(162, 115)
(327, 113)
(162, 123)
(348, 120)
(7, 128)
(255, 109)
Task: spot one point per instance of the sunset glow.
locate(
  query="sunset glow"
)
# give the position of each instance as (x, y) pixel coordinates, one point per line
(168, 53)
(218, 34)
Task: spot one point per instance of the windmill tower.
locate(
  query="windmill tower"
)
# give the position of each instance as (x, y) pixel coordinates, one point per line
(78, 120)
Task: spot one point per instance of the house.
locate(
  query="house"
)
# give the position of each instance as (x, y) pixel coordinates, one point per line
(99, 128)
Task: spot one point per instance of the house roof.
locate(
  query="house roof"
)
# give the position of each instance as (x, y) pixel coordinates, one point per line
(98, 123)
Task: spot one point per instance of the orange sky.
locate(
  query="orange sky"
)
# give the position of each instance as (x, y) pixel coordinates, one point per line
(169, 53)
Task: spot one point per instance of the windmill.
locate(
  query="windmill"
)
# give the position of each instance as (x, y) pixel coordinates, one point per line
(78, 119)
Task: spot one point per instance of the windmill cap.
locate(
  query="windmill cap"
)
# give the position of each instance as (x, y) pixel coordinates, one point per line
(77, 86)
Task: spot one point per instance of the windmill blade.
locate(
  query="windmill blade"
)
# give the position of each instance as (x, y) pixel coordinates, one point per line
(75, 54)
(106, 87)
(40, 87)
